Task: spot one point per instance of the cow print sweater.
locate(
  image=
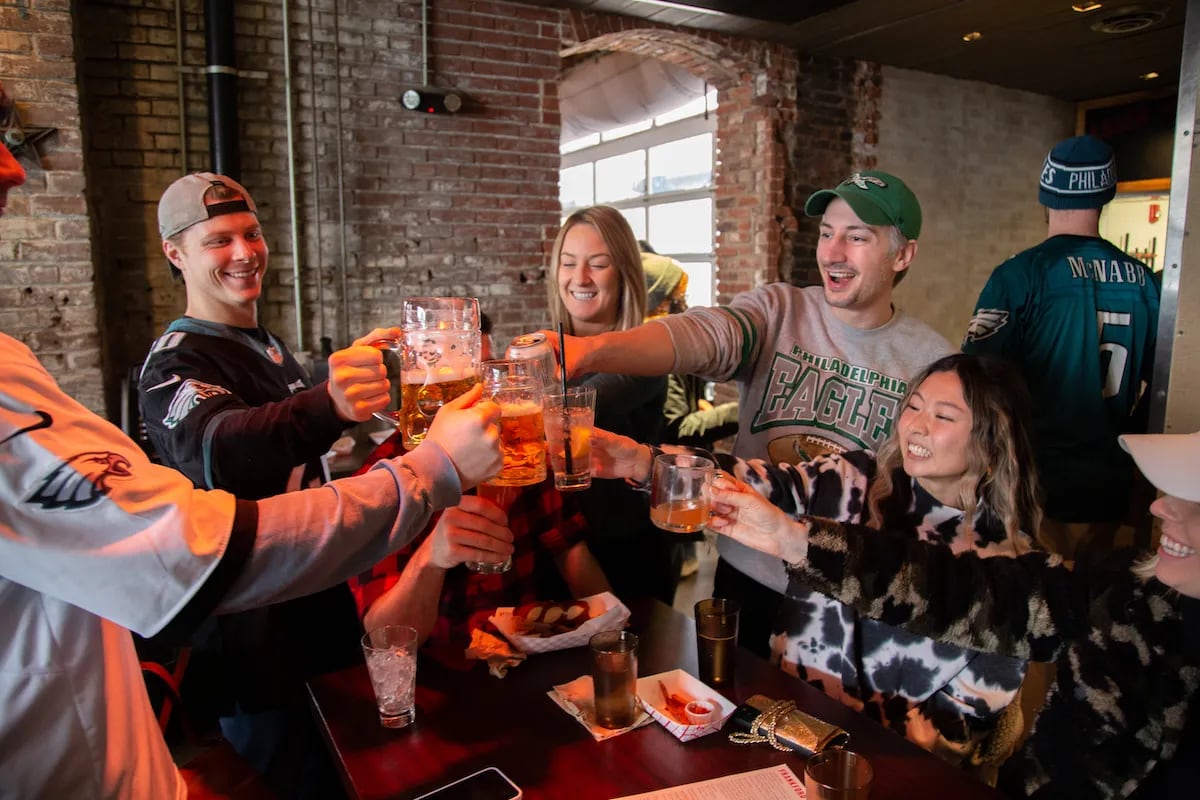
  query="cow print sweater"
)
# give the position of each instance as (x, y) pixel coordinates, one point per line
(946, 698)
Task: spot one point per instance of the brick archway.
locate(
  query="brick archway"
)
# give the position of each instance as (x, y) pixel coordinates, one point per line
(756, 85)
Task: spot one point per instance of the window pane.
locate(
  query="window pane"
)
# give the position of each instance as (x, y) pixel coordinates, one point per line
(684, 227)
(637, 220)
(625, 130)
(621, 177)
(580, 143)
(700, 282)
(575, 187)
(682, 164)
(693, 108)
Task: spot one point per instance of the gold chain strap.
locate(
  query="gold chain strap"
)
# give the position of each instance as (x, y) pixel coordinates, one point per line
(766, 721)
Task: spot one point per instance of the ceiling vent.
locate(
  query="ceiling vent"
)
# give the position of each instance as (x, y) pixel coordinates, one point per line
(1130, 19)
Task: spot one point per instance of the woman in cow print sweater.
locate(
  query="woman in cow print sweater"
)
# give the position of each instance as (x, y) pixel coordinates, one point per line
(1123, 717)
(956, 471)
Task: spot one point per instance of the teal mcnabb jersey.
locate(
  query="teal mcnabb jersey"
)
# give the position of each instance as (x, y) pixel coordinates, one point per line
(1078, 317)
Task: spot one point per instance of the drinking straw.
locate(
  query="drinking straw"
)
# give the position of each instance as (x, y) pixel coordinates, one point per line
(562, 369)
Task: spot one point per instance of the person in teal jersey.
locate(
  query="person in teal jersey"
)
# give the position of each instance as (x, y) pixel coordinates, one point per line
(1078, 317)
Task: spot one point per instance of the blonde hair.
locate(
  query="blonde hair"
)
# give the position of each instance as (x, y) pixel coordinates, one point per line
(1000, 467)
(626, 259)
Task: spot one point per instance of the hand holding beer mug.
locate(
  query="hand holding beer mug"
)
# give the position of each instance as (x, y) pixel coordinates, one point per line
(679, 492)
(435, 360)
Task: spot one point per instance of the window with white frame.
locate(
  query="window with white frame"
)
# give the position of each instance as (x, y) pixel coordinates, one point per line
(659, 174)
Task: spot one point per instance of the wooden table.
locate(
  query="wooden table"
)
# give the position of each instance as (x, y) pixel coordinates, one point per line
(467, 720)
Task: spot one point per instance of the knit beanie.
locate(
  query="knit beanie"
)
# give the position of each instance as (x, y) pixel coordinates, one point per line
(1078, 173)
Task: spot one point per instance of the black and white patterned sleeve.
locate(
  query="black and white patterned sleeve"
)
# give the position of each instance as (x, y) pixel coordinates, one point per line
(1028, 606)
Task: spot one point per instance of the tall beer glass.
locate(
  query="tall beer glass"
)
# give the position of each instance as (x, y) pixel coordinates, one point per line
(439, 360)
(517, 388)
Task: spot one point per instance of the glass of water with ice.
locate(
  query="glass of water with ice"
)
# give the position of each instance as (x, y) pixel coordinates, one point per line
(391, 653)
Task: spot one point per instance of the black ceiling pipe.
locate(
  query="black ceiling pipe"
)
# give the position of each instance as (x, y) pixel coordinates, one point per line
(219, 47)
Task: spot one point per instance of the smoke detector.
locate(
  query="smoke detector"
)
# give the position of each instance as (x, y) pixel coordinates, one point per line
(1130, 19)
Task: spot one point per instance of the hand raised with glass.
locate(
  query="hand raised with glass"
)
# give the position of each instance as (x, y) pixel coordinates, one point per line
(578, 351)
(358, 385)
(742, 514)
(468, 429)
(474, 530)
(616, 456)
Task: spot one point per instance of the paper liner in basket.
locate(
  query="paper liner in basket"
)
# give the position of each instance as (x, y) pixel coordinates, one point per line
(681, 683)
(605, 613)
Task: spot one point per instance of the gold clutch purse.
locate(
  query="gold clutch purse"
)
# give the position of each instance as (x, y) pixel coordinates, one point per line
(783, 726)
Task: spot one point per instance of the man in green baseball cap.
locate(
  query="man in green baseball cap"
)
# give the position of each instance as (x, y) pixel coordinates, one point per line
(869, 228)
(819, 369)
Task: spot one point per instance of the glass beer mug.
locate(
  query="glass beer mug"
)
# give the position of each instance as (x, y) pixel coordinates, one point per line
(516, 386)
(436, 360)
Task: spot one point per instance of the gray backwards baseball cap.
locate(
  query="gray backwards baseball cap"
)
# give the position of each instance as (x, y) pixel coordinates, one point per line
(878, 198)
(200, 196)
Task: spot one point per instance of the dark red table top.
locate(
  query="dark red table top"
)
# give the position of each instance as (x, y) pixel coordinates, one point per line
(467, 720)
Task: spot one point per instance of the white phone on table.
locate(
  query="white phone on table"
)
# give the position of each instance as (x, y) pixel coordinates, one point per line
(486, 784)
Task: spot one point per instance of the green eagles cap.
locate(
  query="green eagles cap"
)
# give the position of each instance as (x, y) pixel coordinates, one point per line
(878, 198)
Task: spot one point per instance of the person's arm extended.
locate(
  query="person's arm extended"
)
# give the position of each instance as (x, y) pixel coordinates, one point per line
(581, 571)
(645, 350)
(414, 598)
(474, 530)
(204, 429)
(307, 541)
(1028, 606)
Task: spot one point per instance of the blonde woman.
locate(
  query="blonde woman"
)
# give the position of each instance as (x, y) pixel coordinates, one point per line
(597, 285)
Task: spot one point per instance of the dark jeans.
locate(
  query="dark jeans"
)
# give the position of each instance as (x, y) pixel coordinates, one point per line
(760, 606)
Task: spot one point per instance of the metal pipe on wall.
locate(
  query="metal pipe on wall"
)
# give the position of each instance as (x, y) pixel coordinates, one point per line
(183, 131)
(341, 172)
(220, 51)
(293, 205)
(316, 160)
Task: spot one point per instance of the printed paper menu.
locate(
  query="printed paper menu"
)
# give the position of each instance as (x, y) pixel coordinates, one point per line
(770, 783)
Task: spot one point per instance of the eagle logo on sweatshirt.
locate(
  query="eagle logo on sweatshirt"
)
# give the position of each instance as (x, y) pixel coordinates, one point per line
(81, 481)
(189, 395)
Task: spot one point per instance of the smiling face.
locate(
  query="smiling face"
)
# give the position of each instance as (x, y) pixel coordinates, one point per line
(1179, 549)
(589, 285)
(223, 261)
(858, 267)
(934, 432)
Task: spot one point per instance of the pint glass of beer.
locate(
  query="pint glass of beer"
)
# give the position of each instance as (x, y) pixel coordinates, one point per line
(518, 392)
(439, 360)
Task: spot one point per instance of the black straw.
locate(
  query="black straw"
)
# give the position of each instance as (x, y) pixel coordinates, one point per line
(562, 369)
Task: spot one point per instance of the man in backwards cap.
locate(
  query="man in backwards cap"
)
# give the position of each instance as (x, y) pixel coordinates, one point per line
(819, 369)
(227, 404)
(1078, 317)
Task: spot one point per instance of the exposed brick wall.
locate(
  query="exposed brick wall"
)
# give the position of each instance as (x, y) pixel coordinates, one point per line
(433, 204)
(973, 159)
(834, 134)
(47, 293)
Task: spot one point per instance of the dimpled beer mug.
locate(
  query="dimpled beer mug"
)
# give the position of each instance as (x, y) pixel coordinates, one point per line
(517, 388)
(439, 360)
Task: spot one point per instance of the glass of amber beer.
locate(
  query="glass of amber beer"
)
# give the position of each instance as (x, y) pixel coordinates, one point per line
(679, 492)
(517, 388)
(439, 360)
